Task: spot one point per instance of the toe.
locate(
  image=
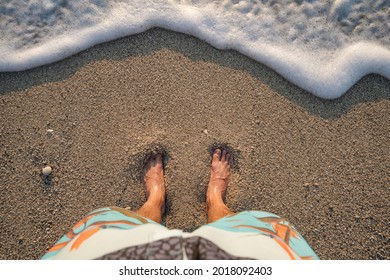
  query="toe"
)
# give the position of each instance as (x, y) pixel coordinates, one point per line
(158, 158)
(224, 153)
(152, 161)
(228, 157)
(217, 155)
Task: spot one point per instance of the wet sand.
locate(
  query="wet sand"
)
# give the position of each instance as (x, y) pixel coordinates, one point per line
(323, 165)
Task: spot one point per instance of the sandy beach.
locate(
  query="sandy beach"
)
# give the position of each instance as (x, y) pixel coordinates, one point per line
(322, 164)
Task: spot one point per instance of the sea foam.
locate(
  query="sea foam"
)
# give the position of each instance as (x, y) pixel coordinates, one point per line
(322, 46)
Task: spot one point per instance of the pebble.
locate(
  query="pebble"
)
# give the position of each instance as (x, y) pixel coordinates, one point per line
(46, 171)
(205, 132)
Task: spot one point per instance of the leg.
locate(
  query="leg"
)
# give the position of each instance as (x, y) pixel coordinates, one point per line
(155, 189)
(71, 244)
(220, 172)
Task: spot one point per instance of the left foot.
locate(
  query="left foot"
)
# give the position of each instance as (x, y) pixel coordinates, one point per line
(154, 180)
(220, 173)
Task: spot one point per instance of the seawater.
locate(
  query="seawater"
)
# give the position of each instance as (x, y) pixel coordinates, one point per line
(322, 46)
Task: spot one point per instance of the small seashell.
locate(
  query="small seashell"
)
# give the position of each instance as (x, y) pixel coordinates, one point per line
(46, 171)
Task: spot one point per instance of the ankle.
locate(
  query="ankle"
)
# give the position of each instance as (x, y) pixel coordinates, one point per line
(216, 212)
(157, 200)
(216, 190)
(214, 201)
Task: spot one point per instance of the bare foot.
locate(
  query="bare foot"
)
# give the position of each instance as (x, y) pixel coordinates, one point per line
(154, 180)
(220, 172)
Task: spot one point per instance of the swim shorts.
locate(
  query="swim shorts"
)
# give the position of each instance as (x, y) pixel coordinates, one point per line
(117, 233)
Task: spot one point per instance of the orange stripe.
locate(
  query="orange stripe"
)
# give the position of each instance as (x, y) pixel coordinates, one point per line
(263, 230)
(70, 234)
(87, 218)
(83, 236)
(307, 258)
(271, 220)
(102, 223)
(81, 222)
(58, 246)
(286, 248)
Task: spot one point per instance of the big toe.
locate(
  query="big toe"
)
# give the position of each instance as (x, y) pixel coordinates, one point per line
(158, 158)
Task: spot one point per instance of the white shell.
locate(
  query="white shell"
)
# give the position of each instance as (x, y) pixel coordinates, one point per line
(47, 170)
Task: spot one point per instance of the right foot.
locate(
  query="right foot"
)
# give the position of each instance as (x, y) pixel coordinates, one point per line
(154, 180)
(220, 172)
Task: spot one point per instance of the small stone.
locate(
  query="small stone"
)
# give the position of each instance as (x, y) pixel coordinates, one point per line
(46, 171)
(50, 131)
(205, 132)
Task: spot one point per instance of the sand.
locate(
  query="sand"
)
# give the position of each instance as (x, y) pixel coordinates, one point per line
(324, 165)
